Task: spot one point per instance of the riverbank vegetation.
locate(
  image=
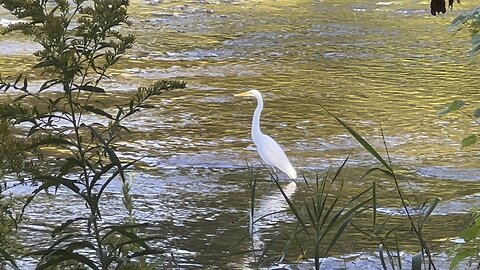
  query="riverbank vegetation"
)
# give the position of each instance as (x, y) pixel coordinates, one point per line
(80, 42)
(63, 149)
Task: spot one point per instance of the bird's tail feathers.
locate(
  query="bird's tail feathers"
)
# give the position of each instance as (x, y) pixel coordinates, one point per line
(291, 172)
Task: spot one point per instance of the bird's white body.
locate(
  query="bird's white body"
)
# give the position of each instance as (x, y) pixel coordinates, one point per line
(268, 149)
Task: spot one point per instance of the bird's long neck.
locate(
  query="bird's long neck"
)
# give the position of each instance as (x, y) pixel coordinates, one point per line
(256, 117)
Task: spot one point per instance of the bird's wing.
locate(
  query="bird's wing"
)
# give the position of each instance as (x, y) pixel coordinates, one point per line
(273, 155)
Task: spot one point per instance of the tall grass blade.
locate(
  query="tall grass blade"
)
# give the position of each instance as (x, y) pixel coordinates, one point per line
(397, 245)
(374, 203)
(382, 257)
(340, 218)
(371, 170)
(337, 173)
(430, 209)
(252, 206)
(309, 212)
(326, 215)
(337, 235)
(306, 182)
(292, 207)
(320, 192)
(269, 214)
(361, 140)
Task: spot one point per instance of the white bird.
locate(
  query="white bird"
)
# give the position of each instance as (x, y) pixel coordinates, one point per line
(268, 149)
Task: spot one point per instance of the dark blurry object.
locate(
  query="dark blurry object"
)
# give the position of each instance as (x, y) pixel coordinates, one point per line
(437, 6)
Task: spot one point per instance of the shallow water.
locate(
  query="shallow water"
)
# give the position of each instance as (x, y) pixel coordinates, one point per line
(368, 62)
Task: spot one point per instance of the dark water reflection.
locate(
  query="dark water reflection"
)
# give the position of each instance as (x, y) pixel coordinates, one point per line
(369, 62)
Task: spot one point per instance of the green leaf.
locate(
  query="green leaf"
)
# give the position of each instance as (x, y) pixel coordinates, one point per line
(147, 106)
(467, 253)
(468, 141)
(455, 105)
(111, 154)
(51, 140)
(18, 79)
(471, 233)
(461, 19)
(475, 47)
(17, 99)
(25, 84)
(64, 225)
(49, 181)
(476, 113)
(64, 255)
(32, 130)
(90, 88)
(71, 162)
(47, 63)
(84, 244)
(48, 84)
(97, 111)
(129, 234)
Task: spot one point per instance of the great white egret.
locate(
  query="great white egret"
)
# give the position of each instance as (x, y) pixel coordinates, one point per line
(268, 149)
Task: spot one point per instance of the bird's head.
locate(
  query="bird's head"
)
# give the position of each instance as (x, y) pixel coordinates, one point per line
(251, 93)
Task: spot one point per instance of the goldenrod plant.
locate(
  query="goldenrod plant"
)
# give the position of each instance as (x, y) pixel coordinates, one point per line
(80, 41)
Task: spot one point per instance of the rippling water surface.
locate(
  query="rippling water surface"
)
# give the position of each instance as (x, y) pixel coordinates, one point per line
(376, 65)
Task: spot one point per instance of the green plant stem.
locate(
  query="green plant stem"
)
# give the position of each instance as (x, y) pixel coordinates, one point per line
(470, 116)
(404, 204)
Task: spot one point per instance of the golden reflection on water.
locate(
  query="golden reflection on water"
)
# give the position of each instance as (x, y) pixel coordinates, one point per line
(370, 63)
(366, 62)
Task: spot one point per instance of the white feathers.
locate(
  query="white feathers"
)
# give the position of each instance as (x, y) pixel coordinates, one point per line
(268, 149)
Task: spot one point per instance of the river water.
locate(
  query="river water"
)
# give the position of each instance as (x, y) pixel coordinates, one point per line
(375, 64)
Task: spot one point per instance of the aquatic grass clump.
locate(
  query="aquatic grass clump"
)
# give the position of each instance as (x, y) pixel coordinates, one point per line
(81, 41)
(319, 220)
(416, 224)
(326, 218)
(325, 215)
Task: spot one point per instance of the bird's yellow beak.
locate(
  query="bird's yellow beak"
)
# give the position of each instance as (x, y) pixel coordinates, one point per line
(243, 94)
